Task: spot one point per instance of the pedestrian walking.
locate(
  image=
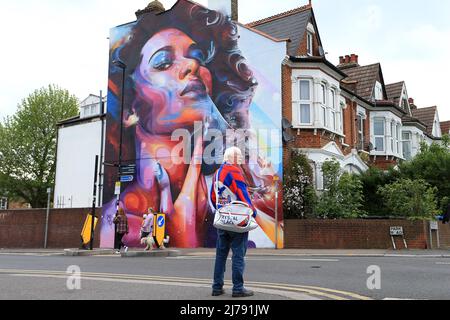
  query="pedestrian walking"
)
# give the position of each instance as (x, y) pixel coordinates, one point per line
(121, 222)
(147, 230)
(235, 189)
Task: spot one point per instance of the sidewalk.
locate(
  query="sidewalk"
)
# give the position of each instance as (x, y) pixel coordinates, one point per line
(272, 252)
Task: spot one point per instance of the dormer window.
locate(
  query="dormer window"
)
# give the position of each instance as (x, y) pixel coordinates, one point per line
(309, 43)
(378, 91)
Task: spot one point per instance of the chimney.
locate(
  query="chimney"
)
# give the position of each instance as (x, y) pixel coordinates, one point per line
(349, 61)
(411, 101)
(153, 7)
(228, 7)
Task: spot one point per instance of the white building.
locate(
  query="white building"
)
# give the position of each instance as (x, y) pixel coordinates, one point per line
(80, 140)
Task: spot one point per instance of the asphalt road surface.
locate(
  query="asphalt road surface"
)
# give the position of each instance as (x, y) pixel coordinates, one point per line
(273, 277)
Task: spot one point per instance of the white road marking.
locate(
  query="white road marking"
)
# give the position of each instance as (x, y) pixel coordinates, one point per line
(257, 259)
(443, 263)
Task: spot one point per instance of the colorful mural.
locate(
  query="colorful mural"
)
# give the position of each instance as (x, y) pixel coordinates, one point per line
(195, 83)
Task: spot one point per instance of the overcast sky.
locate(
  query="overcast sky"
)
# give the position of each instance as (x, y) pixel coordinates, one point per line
(65, 42)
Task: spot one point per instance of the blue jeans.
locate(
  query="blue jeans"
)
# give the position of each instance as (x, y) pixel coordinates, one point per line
(238, 243)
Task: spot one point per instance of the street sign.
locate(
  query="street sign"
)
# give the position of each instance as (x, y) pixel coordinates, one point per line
(396, 231)
(126, 178)
(128, 170)
(159, 230)
(434, 225)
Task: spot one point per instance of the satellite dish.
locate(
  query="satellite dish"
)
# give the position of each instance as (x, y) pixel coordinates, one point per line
(286, 124)
(287, 137)
(371, 147)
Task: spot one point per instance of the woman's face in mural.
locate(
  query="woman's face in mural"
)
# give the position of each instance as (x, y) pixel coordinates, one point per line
(173, 80)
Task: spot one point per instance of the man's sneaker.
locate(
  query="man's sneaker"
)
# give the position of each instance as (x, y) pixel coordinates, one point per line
(125, 249)
(218, 293)
(244, 294)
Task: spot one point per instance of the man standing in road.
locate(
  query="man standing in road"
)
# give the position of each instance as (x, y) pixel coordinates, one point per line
(230, 176)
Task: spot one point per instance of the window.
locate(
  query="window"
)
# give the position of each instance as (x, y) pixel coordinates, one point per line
(407, 145)
(323, 104)
(360, 126)
(334, 125)
(379, 132)
(305, 102)
(3, 203)
(397, 138)
(392, 136)
(309, 44)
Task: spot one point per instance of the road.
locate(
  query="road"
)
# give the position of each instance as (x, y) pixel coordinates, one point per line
(273, 277)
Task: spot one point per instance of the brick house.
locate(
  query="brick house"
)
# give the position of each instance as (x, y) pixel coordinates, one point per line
(430, 117)
(445, 127)
(314, 101)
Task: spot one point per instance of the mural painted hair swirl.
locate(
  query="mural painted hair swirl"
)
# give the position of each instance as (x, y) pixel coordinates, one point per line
(233, 83)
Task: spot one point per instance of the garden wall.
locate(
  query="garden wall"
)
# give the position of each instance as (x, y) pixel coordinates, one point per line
(361, 234)
(26, 228)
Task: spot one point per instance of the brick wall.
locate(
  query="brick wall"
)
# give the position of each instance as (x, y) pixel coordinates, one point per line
(444, 235)
(26, 228)
(353, 234)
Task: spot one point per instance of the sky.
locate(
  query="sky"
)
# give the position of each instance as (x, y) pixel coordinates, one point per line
(65, 42)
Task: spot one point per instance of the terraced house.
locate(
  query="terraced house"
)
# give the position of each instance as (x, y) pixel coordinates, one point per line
(346, 112)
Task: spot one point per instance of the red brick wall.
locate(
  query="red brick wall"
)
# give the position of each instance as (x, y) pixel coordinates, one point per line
(381, 163)
(26, 228)
(444, 235)
(352, 234)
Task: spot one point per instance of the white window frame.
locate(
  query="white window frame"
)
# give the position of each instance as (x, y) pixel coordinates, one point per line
(406, 142)
(379, 136)
(305, 102)
(334, 111)
(323, 104)
(360, 122)
(3, 203)
(309, 43)
(393, 129)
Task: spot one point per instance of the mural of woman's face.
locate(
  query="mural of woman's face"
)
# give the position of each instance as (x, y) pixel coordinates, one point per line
(173, 80)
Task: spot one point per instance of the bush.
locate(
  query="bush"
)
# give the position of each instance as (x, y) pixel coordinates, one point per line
(414, 199)
(299, 195)
(432, 165)
(343, 195)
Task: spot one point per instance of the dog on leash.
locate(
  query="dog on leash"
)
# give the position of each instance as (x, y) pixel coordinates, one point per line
(149, 242)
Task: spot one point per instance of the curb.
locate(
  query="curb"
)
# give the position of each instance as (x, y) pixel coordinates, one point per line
(86, 253)
(151, 254)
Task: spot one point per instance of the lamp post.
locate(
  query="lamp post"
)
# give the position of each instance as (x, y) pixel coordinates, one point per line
(122, 66)
(49, 191)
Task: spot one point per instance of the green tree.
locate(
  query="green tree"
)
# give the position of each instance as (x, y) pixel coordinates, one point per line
(414, 199)
(28, 144)
(299, 198)
(343, 196)
(432, 164)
